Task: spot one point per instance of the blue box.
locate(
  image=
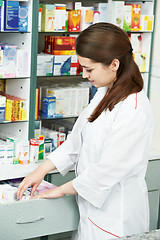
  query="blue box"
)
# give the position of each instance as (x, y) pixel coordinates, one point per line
(23, 18)
(2, 114)
(11, 16)
(48, 107)
(61, 65)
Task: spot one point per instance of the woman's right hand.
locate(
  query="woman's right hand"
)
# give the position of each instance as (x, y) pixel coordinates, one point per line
(35, 178)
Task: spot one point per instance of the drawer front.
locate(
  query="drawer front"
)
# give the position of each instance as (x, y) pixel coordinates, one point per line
(34, 218)
(153, 175)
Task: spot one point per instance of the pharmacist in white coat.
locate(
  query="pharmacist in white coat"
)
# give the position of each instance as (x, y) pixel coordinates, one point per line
(109, 144)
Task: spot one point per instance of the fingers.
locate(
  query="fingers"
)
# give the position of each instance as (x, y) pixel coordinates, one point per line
(34, 189)
(22, 188)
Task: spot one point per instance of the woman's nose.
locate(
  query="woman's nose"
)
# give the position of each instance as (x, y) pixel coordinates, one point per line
(85, 74)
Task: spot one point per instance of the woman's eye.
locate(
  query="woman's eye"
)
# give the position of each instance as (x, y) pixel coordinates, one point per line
(89, 70)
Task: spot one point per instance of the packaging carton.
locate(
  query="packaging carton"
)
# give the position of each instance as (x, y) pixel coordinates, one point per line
(48, 17)
(60, 17)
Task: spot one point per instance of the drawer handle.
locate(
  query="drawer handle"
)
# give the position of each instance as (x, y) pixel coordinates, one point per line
(31, 221)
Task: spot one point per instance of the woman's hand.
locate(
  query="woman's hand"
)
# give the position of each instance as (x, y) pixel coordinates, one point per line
(58, 192)
(35, 178)
(52, 193)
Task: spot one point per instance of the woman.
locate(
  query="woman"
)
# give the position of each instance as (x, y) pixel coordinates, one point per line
(109, 144)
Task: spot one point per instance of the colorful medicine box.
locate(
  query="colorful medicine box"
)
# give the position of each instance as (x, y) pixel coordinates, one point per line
(48, 107)
(45, 64)
(60, 17)
(64, 46)
(74, 20)
(61, 65)
(2, 108)
(146, 23)
(127, 18)
(48, 17)
(23, 18)
(74, 65)
(8, 55)
(136, 14)
(11, 16)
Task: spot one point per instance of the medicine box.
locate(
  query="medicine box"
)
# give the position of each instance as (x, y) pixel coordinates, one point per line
(82, 99)
(48, 17)
(60, 17)
(61, 65)
(49, 107)
(23, 18)
(58, 94)
(135, 20)
(8, 67)
(11, 16)
(86, 17)
(39, 18)
(140, 59)
(48, 144)
(74, 65)
(117, 13)
(74, 20)
(64, 45)
(45, 64)
(2, 108)
(15, 108)
(146, 22)
(136, 41)
(103, 10)
(22, 68)
(127, 18)
(15, 142)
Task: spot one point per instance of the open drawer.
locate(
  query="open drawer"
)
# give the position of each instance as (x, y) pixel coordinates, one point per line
(38, 217)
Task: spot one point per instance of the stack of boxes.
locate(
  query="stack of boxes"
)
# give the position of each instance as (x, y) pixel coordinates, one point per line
(13, 61)
(61, 17)
(63, 101)
(59, 58)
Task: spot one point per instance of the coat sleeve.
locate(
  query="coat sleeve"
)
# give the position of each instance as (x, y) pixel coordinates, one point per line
(124, 155)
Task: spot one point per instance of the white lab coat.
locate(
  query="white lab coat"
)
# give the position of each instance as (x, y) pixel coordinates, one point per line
(110, 156)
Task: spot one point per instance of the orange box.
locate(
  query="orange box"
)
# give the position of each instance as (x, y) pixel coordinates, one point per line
(64, 43)
(59, 52)
(136, 14)
(15, 108)
(74, 20)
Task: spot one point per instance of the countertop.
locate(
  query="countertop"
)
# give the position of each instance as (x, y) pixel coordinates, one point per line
(153, 235)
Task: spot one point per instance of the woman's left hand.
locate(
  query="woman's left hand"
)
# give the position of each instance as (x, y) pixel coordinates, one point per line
(52, 193)
(58, 192)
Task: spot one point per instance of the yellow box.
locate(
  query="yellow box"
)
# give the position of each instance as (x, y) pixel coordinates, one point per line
(48, 17)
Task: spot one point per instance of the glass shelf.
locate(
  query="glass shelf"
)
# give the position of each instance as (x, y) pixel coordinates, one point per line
(13, 32)
(62, 117)
(6, 122)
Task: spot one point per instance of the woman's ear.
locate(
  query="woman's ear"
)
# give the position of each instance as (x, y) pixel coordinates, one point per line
(114, 65)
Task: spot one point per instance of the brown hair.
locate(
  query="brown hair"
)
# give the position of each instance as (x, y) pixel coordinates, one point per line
(104, 42)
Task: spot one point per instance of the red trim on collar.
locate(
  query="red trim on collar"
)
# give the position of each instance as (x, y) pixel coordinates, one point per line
(136, 102)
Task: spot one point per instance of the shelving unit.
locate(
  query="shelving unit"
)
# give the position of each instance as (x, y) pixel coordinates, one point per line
(20, 86)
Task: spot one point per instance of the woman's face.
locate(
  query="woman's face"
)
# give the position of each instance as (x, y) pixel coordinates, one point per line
(97, 73)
